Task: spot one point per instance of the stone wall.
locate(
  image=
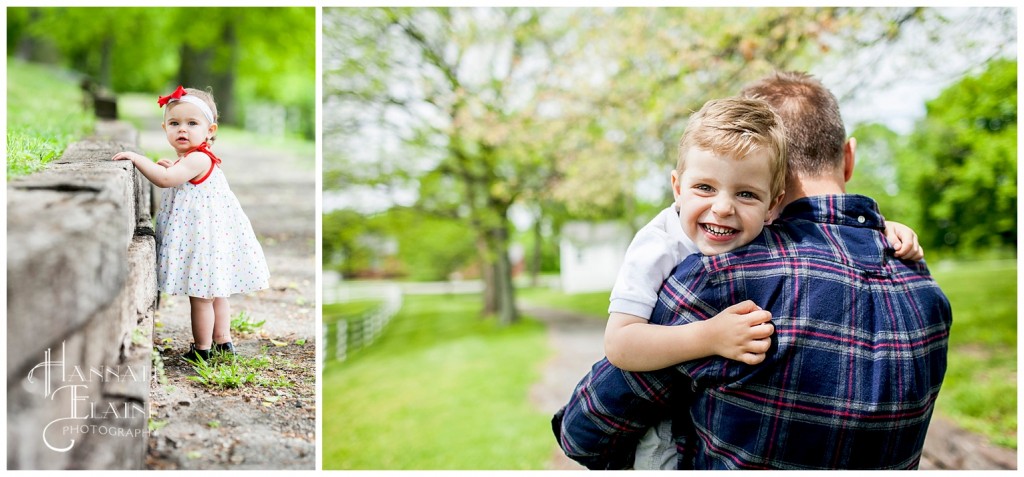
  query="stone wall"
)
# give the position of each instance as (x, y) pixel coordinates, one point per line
(81, 295)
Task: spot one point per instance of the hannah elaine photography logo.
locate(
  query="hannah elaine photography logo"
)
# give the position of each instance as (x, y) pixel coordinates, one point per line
(74, 387)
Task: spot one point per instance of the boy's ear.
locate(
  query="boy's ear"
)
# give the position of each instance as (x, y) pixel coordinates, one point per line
(675, 184)
(773, 209)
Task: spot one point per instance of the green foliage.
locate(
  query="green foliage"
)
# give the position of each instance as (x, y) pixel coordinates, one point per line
(348, 239)
(877, 174)
(953, 180)
(441, 389)
(45, 113)
(225, 370)
(244, 324)
(427, 247)
(221, 375)
(158, 367)
(961, 163)
(258, 54)
(980, 388)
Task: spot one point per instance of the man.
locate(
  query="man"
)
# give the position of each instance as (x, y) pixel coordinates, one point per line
(859, 350)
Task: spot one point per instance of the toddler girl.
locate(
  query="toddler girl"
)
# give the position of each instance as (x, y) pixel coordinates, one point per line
(206, 248)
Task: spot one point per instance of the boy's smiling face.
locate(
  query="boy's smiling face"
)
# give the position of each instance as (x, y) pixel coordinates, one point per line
(186, 126)
(723, 201)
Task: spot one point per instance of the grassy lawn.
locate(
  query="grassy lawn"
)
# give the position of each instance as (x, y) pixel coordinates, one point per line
(353, 309)
(44, 114)
(980, 390)
(593, 304)
(441, 389)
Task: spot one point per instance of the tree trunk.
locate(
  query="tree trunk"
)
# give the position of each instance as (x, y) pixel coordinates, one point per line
(487, 274)
(213, 67)
(538, 240)
(106, 54)
(499, 290)
(505, 289)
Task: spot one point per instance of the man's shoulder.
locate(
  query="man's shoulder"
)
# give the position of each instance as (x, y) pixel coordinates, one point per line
(769, 246)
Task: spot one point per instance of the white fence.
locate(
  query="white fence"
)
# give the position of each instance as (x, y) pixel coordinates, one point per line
(348, 334)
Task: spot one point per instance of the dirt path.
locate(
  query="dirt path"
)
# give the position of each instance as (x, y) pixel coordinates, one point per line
(578, 343)
(252, 427)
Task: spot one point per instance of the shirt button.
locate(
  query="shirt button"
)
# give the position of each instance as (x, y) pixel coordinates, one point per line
(861, 219)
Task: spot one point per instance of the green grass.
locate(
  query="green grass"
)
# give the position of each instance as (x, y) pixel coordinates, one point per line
(980, 389)
(443, 388)
(225, 370)
(244, 324)
(352, 309)
(592, 304)
(45, 113)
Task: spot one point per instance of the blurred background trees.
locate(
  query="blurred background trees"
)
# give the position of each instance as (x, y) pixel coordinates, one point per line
(504, 123)
(254, 59)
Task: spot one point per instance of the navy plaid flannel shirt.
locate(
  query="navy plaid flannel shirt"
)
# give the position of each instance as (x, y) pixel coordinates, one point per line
(857, 358)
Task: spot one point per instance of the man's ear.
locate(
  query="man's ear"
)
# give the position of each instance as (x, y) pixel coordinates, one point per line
(849, 158)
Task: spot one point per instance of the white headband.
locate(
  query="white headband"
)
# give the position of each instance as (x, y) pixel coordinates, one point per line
(199, 103)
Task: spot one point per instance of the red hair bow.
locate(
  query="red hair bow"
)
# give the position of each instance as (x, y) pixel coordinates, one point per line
(177, 94)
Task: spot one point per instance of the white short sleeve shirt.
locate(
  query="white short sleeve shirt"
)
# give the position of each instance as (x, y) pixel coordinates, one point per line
(655, 250)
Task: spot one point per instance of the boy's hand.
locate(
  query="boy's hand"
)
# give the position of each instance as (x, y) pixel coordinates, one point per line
(904, 240)
(742, 332)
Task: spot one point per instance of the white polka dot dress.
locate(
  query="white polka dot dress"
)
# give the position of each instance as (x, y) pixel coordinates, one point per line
(205, 244)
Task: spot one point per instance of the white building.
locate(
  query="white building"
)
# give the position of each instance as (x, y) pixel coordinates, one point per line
(591, 255)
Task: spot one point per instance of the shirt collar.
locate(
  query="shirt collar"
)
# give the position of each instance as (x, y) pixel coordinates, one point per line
(852, 210)
(674, 227)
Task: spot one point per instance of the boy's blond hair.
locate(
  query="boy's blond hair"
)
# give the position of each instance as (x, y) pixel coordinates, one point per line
(737, 127)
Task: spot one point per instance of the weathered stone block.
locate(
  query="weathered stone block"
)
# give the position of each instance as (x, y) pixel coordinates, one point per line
(81, 296)
(66, 260)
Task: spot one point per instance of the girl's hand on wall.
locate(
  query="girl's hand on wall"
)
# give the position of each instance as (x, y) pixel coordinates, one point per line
(128, 156)
(164, 162)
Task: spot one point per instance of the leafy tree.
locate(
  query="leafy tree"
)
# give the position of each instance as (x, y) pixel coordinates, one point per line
(453, 87)
(430, 248)
(962, 163)
(878, 174)
(559, 111)
(244, 54)
(342, 246)
(399, 241)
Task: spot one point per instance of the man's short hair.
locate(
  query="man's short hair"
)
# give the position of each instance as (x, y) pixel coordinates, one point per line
(737, 127)
(811, 115)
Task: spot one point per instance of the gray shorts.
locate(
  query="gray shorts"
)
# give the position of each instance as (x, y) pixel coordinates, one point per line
(657, 449)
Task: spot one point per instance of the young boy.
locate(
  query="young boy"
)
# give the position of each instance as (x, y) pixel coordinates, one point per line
(729, 179)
